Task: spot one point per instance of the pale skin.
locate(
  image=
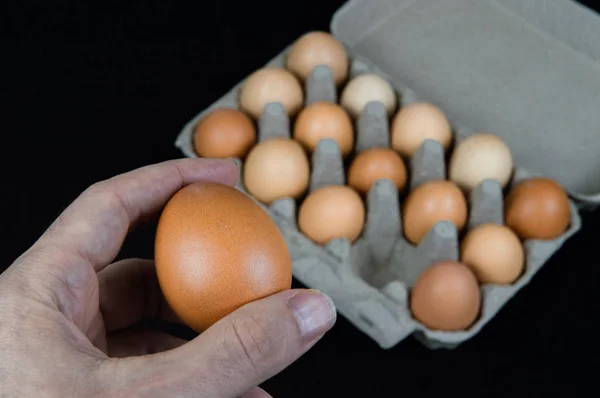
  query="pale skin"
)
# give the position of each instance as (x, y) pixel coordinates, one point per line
(69, 314)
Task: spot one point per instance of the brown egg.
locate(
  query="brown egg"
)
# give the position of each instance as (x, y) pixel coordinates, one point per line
(415, 123)
(224, 133)
(331, 212)
(276, 168)
(324, 120)
(270, 85)
(494, 253)
(432, 202)
(480, 157)
(216, 250)
(365, 88)
(318, 48)
(446, 296)
(374, 164)
(537, 208)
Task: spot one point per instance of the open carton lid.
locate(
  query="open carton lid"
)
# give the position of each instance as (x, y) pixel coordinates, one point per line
(528, 71)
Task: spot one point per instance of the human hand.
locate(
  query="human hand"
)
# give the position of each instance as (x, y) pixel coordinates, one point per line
(69, 318)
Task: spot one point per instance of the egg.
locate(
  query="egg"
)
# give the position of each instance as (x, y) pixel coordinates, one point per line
(224, 133)
(480, 157)
(318, 48)
(494, 253)
(446, 297)
(276, 168)
(374, 164)
(429, 203)
(331, 212)
(324, 120)
(537, 208)
(365, 88)
(415, 123)
(216, 250)
(270, 85)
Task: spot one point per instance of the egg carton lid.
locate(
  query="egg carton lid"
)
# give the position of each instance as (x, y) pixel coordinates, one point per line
(528, 71)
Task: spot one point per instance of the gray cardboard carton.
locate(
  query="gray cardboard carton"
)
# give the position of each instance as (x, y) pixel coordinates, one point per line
(527, 71)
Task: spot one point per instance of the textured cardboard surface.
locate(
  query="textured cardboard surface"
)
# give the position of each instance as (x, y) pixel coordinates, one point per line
(370, 279)
(528, 71)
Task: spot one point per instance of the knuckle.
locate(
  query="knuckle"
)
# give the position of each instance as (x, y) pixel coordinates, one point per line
(102, 192)
(252, 344)
(105, 195)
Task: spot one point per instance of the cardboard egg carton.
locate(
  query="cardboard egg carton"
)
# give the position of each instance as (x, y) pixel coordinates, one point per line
(539, 94)
(370, 279)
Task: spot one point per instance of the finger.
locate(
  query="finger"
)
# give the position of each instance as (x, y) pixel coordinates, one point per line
(95, 225)
(129, 292)
(140, 341)
(257, 392)
(240, 351)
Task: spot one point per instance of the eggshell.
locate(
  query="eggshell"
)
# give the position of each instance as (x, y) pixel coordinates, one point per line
(415, 123)
(216, 250)
(366, 88)
(224, 133)
(270, 85)
(335, 211)
(480, 157)
(446, 296)
(318, 48)
(432, 202)
(537, 208)
(324, 120)
(494, 253)
(374, 164)
(276, 168)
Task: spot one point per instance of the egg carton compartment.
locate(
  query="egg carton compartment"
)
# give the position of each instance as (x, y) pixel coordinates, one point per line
(370, 279)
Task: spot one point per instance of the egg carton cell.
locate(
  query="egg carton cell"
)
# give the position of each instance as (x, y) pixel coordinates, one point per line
(370, 279)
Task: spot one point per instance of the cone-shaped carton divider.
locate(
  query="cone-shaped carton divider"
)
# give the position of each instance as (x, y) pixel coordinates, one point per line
(487, 204)
(328, 165)
(320, 86)
(372, 127)
(427, 164)
(382, 228)
(274, 122)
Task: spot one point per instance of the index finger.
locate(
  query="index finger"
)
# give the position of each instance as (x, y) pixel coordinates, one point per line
(95, 225)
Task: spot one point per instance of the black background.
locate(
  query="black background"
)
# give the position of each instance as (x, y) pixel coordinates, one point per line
(93, 89)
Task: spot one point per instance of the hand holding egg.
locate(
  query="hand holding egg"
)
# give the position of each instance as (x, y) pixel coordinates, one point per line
(87, 312)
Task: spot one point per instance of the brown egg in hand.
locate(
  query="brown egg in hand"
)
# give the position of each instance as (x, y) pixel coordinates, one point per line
(432, 202)
(446, 297)
(268, 85)
(276, 168)
(494, 253)
(324, 120)
(216, 249)
(331, 212)
(374, 164)
(537, 208)
(224, 133)
(318, 48)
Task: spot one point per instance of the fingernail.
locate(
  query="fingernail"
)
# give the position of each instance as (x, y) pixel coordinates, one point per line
(314, 312)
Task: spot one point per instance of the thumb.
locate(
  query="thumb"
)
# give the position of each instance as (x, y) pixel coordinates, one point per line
(239, 352)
